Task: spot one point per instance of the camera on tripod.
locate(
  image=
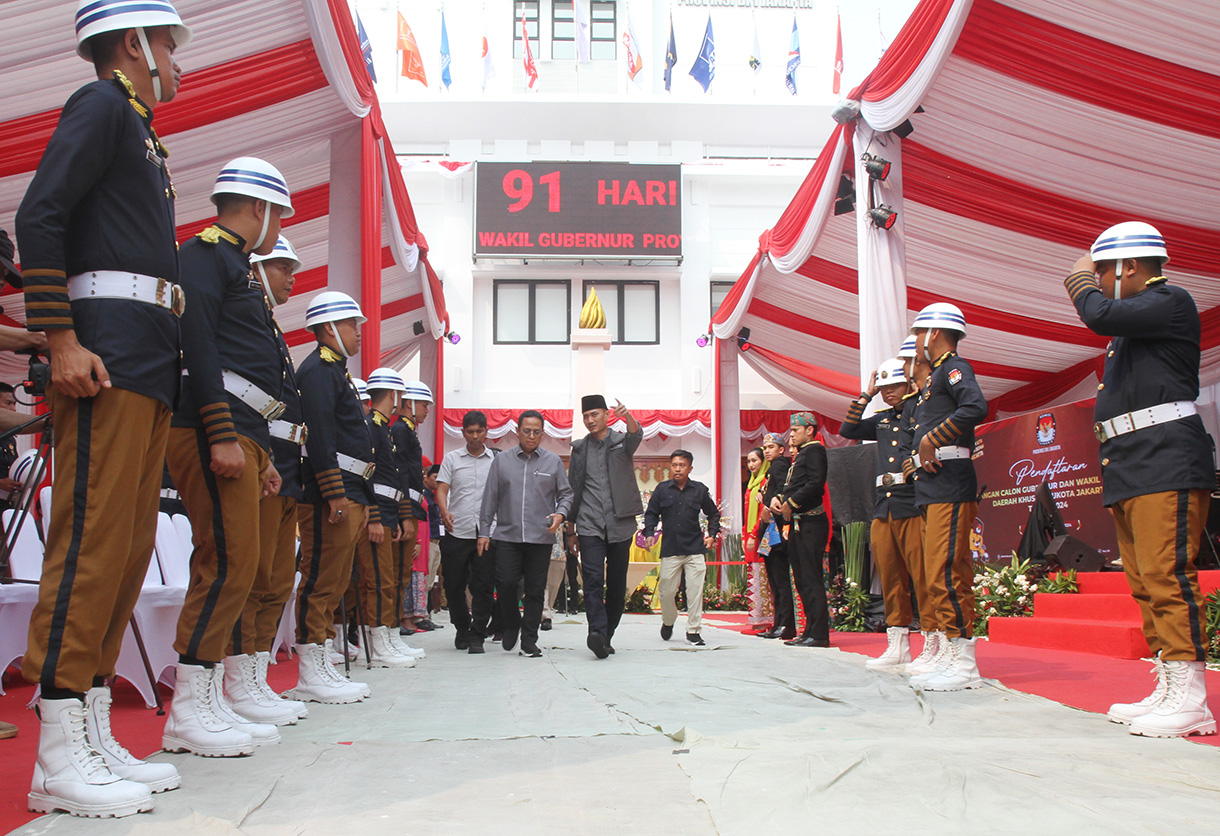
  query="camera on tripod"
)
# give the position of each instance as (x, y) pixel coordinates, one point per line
(40, 373)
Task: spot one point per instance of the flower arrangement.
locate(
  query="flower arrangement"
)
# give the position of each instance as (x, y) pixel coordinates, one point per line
(1008, 591)
(1213, 626)
(848, 603)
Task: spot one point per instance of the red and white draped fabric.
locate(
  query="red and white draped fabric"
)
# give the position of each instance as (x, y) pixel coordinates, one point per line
(279, 79)
(1042, 123)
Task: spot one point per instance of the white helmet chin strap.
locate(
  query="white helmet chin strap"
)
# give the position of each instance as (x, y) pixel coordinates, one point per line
(262, 274)
(1118, 279)
(262, 235)
(152, 63)
(342, 348)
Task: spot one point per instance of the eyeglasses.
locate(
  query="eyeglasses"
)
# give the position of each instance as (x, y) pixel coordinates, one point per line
(530, 433)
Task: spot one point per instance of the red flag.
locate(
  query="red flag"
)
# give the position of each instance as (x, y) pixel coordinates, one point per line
(838, 54)
(527, 57)
(412, 60)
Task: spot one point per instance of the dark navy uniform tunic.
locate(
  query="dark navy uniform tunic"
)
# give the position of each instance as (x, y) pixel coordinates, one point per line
(948, 409)
(102, 199)
(1152, 359)
(806, 479)
(285, 454)
(410, 466)
(331, 406)
(226, 326)
(894, 442)
(384, 510)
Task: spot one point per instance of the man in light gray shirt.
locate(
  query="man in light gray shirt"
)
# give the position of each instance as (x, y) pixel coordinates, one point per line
(459, 494)
(528, 497)
(606, 502)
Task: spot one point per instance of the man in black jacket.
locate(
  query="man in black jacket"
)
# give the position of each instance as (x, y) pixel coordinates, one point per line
(778, 570)
(801, 502)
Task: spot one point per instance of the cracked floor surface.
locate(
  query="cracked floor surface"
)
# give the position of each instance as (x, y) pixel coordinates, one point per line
(741, 737)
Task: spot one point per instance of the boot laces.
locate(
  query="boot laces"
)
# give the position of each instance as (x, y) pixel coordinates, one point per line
(90, 760)
(1175, 676)
(261, 665)
(931, 649)
(101, 707)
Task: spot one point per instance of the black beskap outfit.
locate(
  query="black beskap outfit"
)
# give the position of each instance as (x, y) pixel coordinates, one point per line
(808, 538)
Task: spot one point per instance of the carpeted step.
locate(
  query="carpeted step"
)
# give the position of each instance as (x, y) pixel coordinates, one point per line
(1106, 638)
(1099, 606)
(1116, 582)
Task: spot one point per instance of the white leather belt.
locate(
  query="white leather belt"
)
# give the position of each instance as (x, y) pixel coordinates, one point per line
(945, 454)
(352, 465)
(887, 479)
(296, 433)
(114, 284)
(1141, 418)
(418, 496)
(388, 492)
(169, 493)
(252, 396)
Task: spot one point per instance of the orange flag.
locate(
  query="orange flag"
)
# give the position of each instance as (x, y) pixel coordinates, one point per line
(834, 88)
(412, 60)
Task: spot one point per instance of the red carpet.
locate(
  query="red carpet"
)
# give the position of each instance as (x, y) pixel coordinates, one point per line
(1081, 680)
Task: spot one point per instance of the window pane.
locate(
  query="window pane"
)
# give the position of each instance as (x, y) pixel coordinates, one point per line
(719, 291)
(512, 313)
(601, 10)
(564, 30)
(551, 313)
(602, 51)
(602, 30)
(640, 313)
(562, 10)
(563, 49)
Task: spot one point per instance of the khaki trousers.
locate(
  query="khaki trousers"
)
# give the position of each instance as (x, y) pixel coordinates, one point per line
(554, 578)
(695, 566)
(327, 552)
(377, 580)
(1158, 539)
(224, 516)
(277, 542)
(898, 552)
(947, 561)
(109, 453)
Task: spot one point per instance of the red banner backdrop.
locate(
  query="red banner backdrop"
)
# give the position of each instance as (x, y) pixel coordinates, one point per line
(1014, 456)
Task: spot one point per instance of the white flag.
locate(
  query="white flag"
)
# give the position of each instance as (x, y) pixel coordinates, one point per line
(581, 19)
(756, 53)
(635, 60)
(489, 69)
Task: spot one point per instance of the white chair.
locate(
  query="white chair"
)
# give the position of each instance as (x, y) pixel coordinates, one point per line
(44, 508)
(173, 559)
(183, 526)
(25, 562)
(286, 636)
(16, 606)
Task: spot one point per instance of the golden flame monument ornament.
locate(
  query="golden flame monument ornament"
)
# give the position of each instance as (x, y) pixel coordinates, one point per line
(590, 342)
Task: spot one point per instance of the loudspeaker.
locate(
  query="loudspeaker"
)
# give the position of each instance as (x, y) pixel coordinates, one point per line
(1071, 553)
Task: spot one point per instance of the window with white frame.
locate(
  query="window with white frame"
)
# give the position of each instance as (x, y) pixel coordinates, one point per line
(633, 310)
(529, 312)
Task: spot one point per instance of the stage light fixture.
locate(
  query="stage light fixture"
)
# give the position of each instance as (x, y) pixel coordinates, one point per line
(845, 111)
(883, 217)
(905, 129)
(453, 337)
(878, 168)
(845, 198)
(703, 340)
(743, 339)
(417, 327)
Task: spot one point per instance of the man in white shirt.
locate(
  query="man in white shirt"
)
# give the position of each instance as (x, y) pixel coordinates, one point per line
(459, 493)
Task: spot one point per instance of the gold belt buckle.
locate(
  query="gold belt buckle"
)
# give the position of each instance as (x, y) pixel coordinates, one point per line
(273, 410)
(887, 479)
(368, 470)
(1099, 431)
(298, 434)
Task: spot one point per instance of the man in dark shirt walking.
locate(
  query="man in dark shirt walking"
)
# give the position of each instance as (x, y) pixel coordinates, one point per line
(676, 503)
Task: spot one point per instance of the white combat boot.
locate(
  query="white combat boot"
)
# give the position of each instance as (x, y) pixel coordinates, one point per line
(959, 671)
(342, 678)
(400, 646)
(263, 734)
(245, 695)
(934, 644)
(1127, 712)
(159, 777)
(264, 663)
(319, 682)
(69, 775)
(341, 645)
(1183, 711)
(381, 654)
(194, 725)
(897, 650)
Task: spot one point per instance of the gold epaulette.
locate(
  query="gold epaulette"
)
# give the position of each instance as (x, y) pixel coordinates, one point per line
(214, 235)
(328, 355)
(1155, 280)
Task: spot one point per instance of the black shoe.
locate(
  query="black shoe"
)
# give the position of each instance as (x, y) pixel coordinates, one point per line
(788, 633)
(510, 638)
(667, 630)
(497, 636)
(599, 644)
(545, 625)
(610, 647)
(476, 646)
(461, 642)
(530, 649)
(403, 631)
(773, 633)
(808, 641)
(695, 639)
(425, 625)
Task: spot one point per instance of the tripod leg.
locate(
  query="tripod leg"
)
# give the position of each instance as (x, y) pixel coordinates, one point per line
(347, 665)
(152, 677)
(364, 633)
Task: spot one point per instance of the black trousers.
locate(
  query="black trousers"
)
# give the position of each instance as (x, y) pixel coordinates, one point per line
(603, 568)
(462, 566)
(781, 585)
(806, 546)
(516, 562)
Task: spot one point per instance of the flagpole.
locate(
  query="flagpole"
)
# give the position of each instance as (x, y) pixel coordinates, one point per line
(398, 69)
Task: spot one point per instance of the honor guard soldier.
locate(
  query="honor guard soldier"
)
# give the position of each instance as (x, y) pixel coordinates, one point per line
(412, 411)
(104, 291)
(254, 633)
(897, 530)
(219, 449)
(337, 493)
(946, 492)
(1157, 465)
(800, 502)
(375, 554)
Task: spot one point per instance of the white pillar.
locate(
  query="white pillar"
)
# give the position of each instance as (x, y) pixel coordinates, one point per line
(589, 347)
